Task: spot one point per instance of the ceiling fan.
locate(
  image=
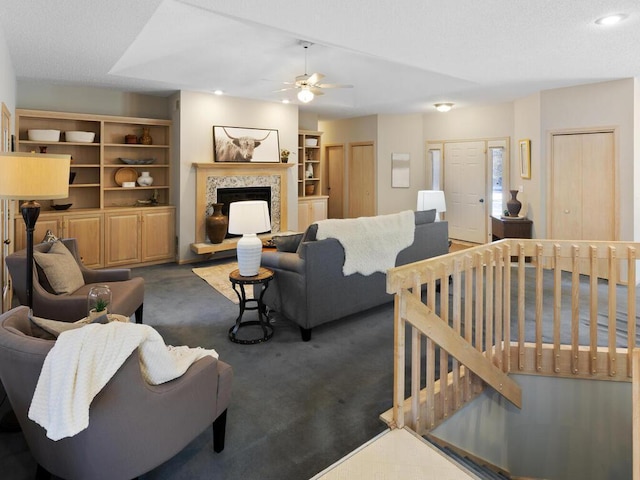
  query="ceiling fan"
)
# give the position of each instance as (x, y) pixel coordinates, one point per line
(309, 86)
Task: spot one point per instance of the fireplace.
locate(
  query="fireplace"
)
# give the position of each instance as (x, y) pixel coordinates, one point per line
(215, 176)
(226, 196)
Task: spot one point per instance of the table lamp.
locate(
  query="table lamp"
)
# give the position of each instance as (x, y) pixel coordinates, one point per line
(30, 177)
(430, 199)
(249, 218)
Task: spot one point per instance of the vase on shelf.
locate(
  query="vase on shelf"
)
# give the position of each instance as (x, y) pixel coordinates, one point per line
(217, 224)
(145, 139)
(145, 180)
(514, 205)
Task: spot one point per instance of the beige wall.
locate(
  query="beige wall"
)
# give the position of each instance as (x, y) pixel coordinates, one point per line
(526, 124)
(7, 78)
(198, 113)
(307, 121)
(605, 104)
(99, 101)
(488, 121)
(346, 131)
(399, 134)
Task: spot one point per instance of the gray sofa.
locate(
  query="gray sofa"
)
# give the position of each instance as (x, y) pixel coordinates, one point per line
(309, 288)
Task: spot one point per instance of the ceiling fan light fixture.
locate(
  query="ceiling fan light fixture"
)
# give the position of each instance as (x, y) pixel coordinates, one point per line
(611, 19)
(305, 95)
(218, 92)
(443, 107)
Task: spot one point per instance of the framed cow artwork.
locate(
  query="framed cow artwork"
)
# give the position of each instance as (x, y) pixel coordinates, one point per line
(241, 144)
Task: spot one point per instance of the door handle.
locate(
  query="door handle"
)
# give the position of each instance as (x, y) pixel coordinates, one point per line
(481, 200)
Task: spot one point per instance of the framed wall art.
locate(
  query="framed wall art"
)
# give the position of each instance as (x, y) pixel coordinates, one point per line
(242, 144)
(524, 153)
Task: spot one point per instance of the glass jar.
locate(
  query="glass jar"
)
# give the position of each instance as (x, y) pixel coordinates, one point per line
(98, 300)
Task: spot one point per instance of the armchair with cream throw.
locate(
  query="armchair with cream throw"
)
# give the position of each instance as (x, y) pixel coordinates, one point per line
(133, 427)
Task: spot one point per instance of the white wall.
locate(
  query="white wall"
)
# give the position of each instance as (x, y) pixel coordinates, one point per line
(488, 121)
(199, 112)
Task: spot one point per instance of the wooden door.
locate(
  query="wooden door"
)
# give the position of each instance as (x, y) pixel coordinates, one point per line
(122, 238)
(361, 180)
(158, 235)
(334, 156)
(583, 187)
(87, 229)
(465, 186)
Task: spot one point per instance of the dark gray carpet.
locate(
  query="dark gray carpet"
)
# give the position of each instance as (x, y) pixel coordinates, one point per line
(296, 407)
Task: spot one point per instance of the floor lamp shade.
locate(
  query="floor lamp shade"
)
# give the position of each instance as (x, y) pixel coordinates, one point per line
(430, 199)
(32, 176)
(29, 177)
(247, 219)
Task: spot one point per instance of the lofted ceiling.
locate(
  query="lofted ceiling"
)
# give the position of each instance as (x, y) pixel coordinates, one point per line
(401, 57)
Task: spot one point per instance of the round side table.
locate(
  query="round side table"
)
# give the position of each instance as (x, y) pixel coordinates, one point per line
(239, 282)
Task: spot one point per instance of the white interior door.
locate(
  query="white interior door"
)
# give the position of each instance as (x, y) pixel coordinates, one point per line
(465, 190)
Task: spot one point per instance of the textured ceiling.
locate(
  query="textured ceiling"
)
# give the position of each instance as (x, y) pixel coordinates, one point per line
(401, 57)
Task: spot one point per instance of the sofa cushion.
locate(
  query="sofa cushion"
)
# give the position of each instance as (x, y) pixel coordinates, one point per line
(426, 216)
(60, 268)
(287, 243)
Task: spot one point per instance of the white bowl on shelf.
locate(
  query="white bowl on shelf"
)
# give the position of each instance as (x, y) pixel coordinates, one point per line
(79, 137)
(310, 142)
(43, 135)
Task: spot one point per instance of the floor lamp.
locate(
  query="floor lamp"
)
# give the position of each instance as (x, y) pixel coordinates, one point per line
(30, 177)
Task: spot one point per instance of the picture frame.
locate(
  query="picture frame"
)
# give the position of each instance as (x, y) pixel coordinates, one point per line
(524, 152)
(245, 144)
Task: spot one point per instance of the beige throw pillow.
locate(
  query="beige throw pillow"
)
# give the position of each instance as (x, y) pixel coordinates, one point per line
(61, 269)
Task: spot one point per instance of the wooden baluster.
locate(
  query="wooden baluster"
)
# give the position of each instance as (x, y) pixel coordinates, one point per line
(575, 307)
(613, 275)
(593, 310)
(539, 298)
(430, 357)
(444, 357)
(468, 316)
(557, 307)
(415, 362)
(489, 289)
(631, 306)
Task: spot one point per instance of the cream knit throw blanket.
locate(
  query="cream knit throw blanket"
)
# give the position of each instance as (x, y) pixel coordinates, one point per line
(83, 360)
(371, 244)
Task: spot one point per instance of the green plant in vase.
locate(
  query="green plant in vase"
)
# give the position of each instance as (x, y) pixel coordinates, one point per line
(101, 305)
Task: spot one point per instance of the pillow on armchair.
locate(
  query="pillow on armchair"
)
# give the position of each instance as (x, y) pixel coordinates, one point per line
(287, 243)
(60, 269)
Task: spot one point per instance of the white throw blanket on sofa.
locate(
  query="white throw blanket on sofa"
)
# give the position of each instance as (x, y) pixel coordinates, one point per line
(83, 360)
(371, 244)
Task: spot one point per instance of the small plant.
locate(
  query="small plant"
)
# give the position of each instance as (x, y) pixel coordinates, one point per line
(101, 304)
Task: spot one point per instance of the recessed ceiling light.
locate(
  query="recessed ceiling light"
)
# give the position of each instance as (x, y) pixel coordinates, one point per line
(218, 92)
(286, 100)
(443, 107)
(611, 19)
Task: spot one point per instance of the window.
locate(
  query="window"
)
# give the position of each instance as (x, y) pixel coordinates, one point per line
(435, 155)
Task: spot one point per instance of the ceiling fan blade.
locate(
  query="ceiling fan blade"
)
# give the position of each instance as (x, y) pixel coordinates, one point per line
(284, 89)
(334, 85)
(315, 78)
(316, 91)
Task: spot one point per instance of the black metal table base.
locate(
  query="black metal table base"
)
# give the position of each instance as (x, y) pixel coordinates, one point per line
(238, 283)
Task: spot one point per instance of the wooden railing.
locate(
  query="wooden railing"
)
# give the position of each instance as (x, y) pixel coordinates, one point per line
(515, 306)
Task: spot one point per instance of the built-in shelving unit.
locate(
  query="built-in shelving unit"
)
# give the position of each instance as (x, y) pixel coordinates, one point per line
(309, 163)
(96, 194)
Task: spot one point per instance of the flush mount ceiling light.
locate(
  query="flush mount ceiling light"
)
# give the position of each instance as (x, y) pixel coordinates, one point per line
(218, 92)
(305, 95)
(443, 107)
(611, 19)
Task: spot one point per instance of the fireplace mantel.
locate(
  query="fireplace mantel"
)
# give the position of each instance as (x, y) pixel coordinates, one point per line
(219, 169)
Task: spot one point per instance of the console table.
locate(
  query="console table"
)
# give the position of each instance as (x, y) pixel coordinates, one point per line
(506, 227)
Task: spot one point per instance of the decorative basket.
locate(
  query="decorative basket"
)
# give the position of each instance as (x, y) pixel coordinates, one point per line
(309, 189)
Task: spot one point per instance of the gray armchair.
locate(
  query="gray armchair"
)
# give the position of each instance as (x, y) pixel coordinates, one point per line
(133, 426)
(127, 292)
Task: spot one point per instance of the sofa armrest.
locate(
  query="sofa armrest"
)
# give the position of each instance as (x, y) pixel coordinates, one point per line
(283, 261)
(107, 275)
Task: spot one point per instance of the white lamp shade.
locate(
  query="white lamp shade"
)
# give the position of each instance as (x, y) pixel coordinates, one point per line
(33, 176)
(248, 218)
(430, 199)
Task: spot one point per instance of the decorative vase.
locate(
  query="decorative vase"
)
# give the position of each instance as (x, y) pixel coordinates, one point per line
(145, 139)
(145, 180)
(514, 205)
(309, 173)
(217, 224)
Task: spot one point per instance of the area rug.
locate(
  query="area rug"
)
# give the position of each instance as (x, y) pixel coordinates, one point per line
(217, 276)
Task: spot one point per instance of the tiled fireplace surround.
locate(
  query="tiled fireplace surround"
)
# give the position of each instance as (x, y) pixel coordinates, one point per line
(211, 176)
